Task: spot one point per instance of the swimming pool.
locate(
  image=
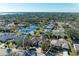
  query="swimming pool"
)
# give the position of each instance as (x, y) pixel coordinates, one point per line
(27, 30)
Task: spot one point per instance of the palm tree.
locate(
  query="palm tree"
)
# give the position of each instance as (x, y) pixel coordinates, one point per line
(48, 34)
(37, 32)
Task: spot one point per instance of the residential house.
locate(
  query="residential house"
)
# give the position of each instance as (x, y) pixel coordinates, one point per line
(60, 42)
(76, 45)
(23, 24)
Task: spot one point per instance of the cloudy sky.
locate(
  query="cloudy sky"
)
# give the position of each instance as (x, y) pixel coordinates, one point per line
(39, 7)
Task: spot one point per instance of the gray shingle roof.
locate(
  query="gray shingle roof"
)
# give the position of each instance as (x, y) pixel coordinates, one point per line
(6, 36)
(59, 42)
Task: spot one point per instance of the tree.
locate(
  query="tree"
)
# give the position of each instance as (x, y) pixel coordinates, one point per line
(29, 36)
(45, 45)
(9, 51)
(72, 33)
(10, 44)
(42, 23)
(48, 34)
(37, 32)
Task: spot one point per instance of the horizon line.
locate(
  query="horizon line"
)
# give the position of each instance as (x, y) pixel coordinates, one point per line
(36, 12)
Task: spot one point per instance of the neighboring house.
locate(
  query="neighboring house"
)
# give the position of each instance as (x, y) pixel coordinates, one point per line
(6, 36)
(64, 43)
(50, 26)
(60, 42)
(44, 30)
(54, 42)
(39, 52)
(76, 47)
(3, 52)
(22, 24)
(76, 44)
(2, 46)
(65, 53)
(2, 22)
(10, 36)
(36, 39)
(11, 25)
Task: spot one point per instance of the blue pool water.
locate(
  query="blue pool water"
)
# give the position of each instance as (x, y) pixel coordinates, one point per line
(28, 30)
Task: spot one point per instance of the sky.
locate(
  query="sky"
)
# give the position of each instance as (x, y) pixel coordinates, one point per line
(39, 7)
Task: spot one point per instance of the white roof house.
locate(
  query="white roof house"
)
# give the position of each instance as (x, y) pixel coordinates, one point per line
(76, 47)
(11, 25)
(65, 53)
